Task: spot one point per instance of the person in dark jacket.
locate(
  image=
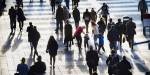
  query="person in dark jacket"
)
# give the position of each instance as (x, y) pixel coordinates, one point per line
(52, 48)
(38, 68)
(101, 25)
(112, 62)
(19, 3)
(104, 11)
(143, 8)
(21, 18)
(67, 3)
(22, 68)
(76, 16)
(120, 29)
(112, 36)
(93, 15)
(87, 18)
(124, 67)
(110, 24)
(130, 32)
(59, 19)
(52, 3)
(30, 31)
(12, 15)
(35, 40)
(92, 60)
(68, 34)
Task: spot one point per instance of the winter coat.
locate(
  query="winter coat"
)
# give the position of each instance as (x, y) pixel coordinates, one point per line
(87, 16)
(59, 14)
(52, 47)
(76, 15)
(68, 32)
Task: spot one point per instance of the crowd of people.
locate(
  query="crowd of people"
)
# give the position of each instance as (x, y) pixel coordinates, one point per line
(117, 33)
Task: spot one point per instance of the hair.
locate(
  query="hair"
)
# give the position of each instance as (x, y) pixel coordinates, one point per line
(23, 60)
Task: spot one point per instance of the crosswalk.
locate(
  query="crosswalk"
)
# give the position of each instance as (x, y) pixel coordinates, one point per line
(67, 63)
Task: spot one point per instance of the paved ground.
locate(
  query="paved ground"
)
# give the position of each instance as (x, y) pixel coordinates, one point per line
(13, 48)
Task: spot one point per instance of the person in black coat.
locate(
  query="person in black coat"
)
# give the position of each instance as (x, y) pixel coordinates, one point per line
(53, 5)
(68, 34)
(52, 48)
(30, 31)
(38, 68)
(76, 16)
(21, 18)
(12, 15)
(67, 3)
(92, 60)
(87, 18)
(35, 40)
(101, 25)
(59, 19)
(124, 67)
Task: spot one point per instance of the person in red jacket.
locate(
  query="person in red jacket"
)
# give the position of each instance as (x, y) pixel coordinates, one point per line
(78, 37)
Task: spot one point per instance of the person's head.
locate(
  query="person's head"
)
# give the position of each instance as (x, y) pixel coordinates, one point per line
(110, 20)
(59, 5)
(104, 4)
(92, 9)
(91, 48)
(113, 52)
(124, 57)
(119, 20)
(39, 58)
(12, 7)
(30, 23)
(130, 20)
(52, 38)
(23, 60)
(67, 21)
(87, 10)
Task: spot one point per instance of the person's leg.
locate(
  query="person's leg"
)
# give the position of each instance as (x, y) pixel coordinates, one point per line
(61, 26)
(54, 61)
(90, 70)
(86, 23)
(95, 69)
(22, 22)
(80, 43)
(57, 26)
(11, 26)
(19, 25)
(14, 26)
(31, 45)
(50, 60)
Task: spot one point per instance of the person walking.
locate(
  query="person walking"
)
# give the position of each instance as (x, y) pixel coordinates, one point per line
(110, 24)
(101, 43)
(38, 68)
(130, 32)
(68, 35)
(52, 48)
(143, 8)
(67, 3)
(30, 31)
(76, 16)
(22, 68)
(35, 41)
(78, 37)
(12, 15)
(21, 18)
(104, 11)
(112, 62)
(65, 14)
(52, 3)
(92, 60)
(59, 19)
(93, 15)
(124, 67)
(101, 25)
(87, 18)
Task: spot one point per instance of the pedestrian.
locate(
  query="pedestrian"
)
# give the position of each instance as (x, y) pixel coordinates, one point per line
(87, 18)
(101, 25)
(143, 8)
(78, 37)
(68, 35)
(38, 68)
(92, 60)
(76, 16)
(112, 62)
(75, 3)
(52, 3)
(22, 68)
(52, 48)
(95, 32)
(59, 19)
(19, 3)
(120, 29)
(104, 11)
(65, 14)
(35, 41)
(67, 3)
(110, 24)
(124, 67)
(130, 32)
(113, 37)
(30, 31)
(93, 15)
(21, 18)
(86, 40)
(12, 15)
(101, 43)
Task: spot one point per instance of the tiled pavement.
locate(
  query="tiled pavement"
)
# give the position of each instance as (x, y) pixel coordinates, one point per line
(67, 63)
